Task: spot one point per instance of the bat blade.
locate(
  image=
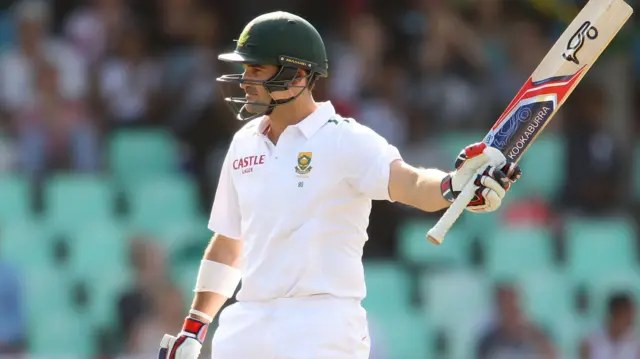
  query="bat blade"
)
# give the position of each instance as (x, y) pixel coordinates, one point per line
(546, 90)
(557, 75)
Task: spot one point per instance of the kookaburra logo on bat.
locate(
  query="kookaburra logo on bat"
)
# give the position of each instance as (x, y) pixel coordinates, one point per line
(577, 41)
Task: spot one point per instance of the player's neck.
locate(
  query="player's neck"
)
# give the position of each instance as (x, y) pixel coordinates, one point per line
(289, 114)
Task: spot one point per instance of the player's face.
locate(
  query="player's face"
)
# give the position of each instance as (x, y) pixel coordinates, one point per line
(255, 93)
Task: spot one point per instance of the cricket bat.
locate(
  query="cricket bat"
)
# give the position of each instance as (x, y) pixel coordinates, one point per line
(545, 91)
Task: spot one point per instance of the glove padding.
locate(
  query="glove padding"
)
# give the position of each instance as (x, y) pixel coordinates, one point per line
(493, 182)
(188, 343)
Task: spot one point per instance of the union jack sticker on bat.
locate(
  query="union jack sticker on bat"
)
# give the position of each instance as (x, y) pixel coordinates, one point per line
(545, 91)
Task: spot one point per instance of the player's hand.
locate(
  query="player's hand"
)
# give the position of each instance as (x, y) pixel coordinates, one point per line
(494, 182)
(188, 343)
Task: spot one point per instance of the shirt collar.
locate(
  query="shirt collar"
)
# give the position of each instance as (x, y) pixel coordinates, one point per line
(310, 125)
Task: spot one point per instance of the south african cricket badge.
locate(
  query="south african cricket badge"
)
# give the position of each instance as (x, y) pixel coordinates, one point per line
(304, 163)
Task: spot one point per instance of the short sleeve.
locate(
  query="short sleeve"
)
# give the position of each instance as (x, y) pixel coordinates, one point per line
(368, 161)
(225, 214)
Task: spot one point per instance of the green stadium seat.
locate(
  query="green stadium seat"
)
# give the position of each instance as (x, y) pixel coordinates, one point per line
(405, 336)
(45, 290)
(414, 247)
(462, 339)
(513, 252)
(184, 276)
(97, 248)
(73, 199)
(546, 296)
(543, 167)
(104, 295)
(26, 244)
(479, 225)
(388, 288)
(178, 233)
(454, 299)
(138, 155)
(569, 332)
(599, 247)
(157, 201)
(15, 203)
(62, 333)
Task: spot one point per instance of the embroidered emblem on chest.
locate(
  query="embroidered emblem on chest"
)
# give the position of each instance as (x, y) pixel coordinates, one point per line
(304, 163)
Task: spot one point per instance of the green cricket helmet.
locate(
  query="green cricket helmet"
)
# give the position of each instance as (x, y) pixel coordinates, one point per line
(281, 39)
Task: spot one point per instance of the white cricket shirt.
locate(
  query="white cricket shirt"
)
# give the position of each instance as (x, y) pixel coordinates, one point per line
(302, 207)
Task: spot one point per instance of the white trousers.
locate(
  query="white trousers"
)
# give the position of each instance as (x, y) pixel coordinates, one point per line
(318, 327)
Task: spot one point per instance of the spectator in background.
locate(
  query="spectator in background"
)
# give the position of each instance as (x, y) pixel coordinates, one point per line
(13, 327)
(148, 264)
(512, 336)
(165, 313)
(153, 305)
(54, 133)
(35, 45)
(449, 61)
(189, 85)
(175, 18)
(594, 183)
(357, 61)
(617, 339)
(129, 81)
(383, 108)
(94, 28)
(189, 73)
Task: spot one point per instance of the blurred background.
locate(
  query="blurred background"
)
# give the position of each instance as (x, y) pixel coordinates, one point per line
(112, 133)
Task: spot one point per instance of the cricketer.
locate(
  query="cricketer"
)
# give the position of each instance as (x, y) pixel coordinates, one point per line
(291, 210)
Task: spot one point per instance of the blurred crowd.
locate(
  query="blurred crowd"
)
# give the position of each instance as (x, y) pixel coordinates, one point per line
(74, 71)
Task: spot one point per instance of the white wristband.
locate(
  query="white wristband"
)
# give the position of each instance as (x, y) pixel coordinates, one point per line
(218, 278)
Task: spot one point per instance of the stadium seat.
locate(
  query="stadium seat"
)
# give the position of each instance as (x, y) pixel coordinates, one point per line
(73, 199)
(62, 333)
(546, 296)
(138, 155)
(454, 299)
(405, 336)
(569, 332)
(414, 247)
(513, 252)
(26, 245)
(15, 203)
(104, 295)
(99, 247)
(45, 290)
(479, 225)
(178, 233)
(157, 201)
(543, 167)
(599, 247)
(184, 276)
(388, 288)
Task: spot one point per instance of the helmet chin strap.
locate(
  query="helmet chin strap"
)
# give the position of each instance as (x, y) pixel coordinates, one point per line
(274, 103)
(285, 74)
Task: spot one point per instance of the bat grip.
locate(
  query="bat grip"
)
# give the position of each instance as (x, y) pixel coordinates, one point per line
(437, 233)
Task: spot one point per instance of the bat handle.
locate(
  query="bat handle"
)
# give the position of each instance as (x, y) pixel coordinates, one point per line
(437, 233)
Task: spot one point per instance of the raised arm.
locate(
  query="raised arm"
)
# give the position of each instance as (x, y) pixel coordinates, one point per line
(419, 188)
(431, 190)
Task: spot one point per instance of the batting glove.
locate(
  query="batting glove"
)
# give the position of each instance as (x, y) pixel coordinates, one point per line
(188, 343)
(493, 182)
